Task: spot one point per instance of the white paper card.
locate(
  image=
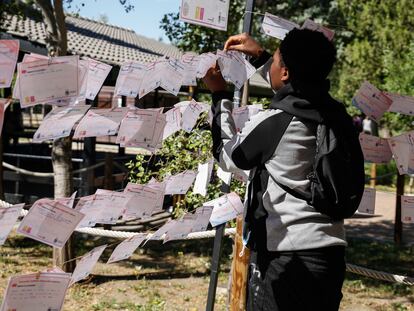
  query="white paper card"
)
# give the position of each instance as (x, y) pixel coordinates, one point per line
(367, 204)
(127, 248)
(97, 74)
(8, 218)
(59, 122)
(36, 292)
(208, 13)
(375, 149)
(9, 52)
(190, 115)
(50, 222)
(224, 176)
(180, 183)
(49, 80)
(277, 27)
(203, 177)
(100, 122)
(407, 209)
(173, 122)
(129, 79)
(86, 264)
(225, 208)
(234, 67)
(401, 103)
(143, 201)
(206, 61)
(401, 148)
(371, 101)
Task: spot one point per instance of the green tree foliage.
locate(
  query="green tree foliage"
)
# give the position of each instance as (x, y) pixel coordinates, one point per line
(381, 51)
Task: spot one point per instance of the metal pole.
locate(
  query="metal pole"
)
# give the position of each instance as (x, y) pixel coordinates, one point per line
(89, 158)
(215, 262)
(398, 224)
(218, 239)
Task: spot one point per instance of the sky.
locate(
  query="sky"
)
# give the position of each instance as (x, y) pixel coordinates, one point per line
(144, 19)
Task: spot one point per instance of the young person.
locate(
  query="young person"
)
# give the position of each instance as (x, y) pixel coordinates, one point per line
(297, 260)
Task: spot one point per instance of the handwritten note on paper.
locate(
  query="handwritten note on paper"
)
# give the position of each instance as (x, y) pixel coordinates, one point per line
(9, 52)
(129, 79)
(97, 73)
(86, 264)
(161, 231)
(277, 27)
(143, 200)
(367, 204)
(172, 75)
(190, 62)
(371, 101)
(173, 122)
(181, 228)
(50, 222)
(208, 13)
(407, 209)
(401, 103)
(179, 183)
(225, 208)
(48, 80)
(203, 177)
(206, 61)
(36, 292)
(401, 148)
(310, 24)
(59, 122)
(100, 122)
(234, 67)
(190, 115)
(8, 218)
(127, 248)
(375, 149)
(137, 127)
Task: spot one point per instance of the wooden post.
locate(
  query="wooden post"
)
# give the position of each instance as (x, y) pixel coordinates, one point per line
(239, 276)
(397, 221)
(109, 168)
(373, 180)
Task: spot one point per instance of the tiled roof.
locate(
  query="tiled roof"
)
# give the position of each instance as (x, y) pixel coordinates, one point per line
(108, 43)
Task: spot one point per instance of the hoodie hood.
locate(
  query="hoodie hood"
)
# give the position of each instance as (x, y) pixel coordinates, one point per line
(304, 104)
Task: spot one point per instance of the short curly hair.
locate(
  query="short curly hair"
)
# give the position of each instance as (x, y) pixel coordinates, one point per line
(308, 55)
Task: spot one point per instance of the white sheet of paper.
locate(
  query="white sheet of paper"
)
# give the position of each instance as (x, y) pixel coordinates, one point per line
(407, 209)
(276, 26)
(401, 103)
(129, 79)
(225, 208)
(401, 147)
(309, 24)
(375, 149)
(137, 127)
(160, 188)
(240, 117)
(48, 80)
(100, 122)
(190, 62)
(50, 222)
(86, 264)
(83, 71)
(179, 183)
(157, 235)
(127, 248)
(69, 202)
(36, 292)
(27, 58)
(203, 177)
(172, 75)
(208, 13)
(143, 200)
(97, 74)
(59, 122)
(8, 218)
(9, 52)
(224, 176)
(181, 228)
(234, 67)
(151, 78)
(206, 61)
(173, 125)
(89, 209)
(190, 115)
(203, 218)
(371, 101)
(113, 205)
(367, 204)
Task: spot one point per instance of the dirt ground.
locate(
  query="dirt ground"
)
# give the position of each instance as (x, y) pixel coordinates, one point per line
(175, 276)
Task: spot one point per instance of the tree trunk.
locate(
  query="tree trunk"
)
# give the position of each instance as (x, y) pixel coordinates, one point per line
(56, 41)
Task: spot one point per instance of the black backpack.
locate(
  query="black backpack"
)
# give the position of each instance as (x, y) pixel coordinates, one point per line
(338, 178)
